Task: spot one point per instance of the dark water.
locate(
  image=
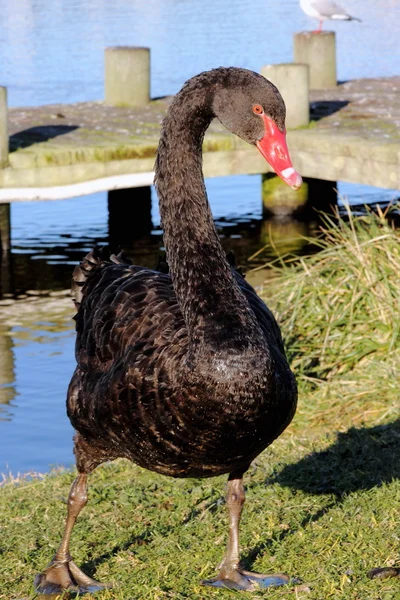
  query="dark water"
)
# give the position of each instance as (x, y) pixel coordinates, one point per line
(49, 238)
(53, 52)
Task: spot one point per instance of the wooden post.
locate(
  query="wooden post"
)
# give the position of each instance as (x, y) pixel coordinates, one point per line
(322, 196)
(127, 76)
(5, 250)
(5, 211)
(3, 128)
(318, 50)
(292, 82)
(5, 227)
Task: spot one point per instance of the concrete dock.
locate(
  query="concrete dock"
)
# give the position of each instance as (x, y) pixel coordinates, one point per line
(355, 139)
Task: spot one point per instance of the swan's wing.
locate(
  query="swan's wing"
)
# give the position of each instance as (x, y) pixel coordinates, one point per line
(123, 307)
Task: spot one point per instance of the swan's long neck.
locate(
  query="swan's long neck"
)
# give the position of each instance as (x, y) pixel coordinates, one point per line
(213, 306)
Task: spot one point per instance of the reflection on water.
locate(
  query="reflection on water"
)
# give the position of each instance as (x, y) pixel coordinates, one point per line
(36, 361)
(49, 238)
(7, 373)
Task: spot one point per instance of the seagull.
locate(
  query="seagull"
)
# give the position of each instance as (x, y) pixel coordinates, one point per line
(325, 9)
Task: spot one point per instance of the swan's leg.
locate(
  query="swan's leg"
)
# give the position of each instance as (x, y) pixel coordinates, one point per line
(62, 573)
(230, 575)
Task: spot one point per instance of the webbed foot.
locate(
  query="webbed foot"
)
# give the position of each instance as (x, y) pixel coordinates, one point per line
(239, 579)
(65, 575)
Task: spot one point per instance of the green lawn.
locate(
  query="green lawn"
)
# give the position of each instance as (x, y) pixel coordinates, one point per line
(323, 502)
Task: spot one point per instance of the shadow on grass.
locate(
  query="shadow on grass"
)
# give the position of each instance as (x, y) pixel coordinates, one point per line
(359, 459)
(247, 561)
(90, 567)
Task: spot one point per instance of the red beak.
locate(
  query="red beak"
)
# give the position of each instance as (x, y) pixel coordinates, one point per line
(274, 149)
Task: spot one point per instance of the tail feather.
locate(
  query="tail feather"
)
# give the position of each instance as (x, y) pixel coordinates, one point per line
(91, 261)
(344, 17)
(120, 259)
(81, 273)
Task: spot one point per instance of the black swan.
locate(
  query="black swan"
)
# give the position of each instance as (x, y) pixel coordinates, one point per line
(182, 373)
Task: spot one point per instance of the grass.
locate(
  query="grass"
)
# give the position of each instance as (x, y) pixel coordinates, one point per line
(322, 502)
(339, 313)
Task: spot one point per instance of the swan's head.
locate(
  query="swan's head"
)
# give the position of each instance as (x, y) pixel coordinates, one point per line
(251, 107)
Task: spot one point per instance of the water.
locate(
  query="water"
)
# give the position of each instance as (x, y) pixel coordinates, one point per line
(37, 360)
(53, 52)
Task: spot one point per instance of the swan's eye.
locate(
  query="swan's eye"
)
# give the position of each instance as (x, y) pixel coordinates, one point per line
(258, 109)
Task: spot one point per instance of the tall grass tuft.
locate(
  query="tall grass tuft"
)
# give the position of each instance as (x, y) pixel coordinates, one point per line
(340, 311)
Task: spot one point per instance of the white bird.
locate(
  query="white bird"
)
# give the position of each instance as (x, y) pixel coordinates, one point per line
(325, 9)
